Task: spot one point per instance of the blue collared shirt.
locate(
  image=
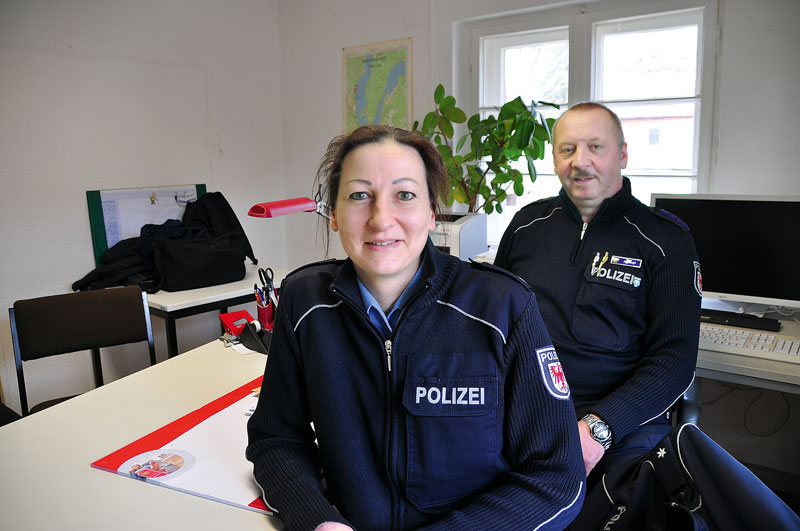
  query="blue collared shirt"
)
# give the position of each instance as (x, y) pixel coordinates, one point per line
(386, 323)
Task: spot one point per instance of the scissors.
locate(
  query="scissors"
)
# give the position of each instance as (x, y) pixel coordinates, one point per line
(267, 276)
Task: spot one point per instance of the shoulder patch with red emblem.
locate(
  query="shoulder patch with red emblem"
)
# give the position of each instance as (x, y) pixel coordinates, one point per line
(698, 279)
(552, 372)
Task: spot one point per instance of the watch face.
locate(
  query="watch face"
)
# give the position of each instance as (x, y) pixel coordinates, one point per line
(600, 431)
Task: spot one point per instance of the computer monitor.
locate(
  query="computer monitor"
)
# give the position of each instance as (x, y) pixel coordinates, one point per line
(749, 246)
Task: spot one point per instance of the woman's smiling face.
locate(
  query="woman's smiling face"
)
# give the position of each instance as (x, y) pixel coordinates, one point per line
(383, 213)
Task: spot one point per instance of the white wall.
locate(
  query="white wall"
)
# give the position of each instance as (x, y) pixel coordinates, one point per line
(116, 94)
(758, 112)
(313, 35)
(245, 95)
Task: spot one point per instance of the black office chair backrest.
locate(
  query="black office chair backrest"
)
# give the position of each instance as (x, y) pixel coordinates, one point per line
(7, 415)
(86, 320)
(687, 408)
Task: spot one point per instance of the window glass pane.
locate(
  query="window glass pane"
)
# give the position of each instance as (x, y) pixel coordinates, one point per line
(536, 72)
(533, 65)
(660, 136)
(644, 58)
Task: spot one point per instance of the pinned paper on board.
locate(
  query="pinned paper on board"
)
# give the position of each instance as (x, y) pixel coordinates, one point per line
(115, 215)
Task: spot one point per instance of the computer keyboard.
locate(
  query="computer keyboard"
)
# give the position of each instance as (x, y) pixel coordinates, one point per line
(754, 343)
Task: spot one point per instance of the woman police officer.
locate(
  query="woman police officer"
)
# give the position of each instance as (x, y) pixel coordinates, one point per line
(430, 384)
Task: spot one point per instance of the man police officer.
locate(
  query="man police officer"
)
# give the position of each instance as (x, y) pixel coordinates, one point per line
(618, 285)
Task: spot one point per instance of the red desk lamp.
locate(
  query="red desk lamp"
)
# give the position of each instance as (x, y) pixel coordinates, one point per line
(283, 207)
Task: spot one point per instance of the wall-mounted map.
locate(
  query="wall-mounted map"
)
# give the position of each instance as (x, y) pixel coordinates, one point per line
(377, 84)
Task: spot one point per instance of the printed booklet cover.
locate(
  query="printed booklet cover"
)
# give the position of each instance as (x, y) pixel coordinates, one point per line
(201, 453)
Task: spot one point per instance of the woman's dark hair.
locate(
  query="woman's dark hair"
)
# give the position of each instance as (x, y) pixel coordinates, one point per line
(330, 168)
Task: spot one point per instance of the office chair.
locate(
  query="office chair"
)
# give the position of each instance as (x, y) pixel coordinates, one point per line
(7, 415)
(687, 407)
(85, 320)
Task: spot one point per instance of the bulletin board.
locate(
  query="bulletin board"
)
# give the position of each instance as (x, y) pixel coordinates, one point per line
(118, 214)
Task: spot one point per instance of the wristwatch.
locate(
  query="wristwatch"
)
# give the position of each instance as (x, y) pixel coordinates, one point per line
(599, 430)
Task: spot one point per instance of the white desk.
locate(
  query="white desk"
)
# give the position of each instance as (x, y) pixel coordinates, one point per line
(747, 370)
(45, 473)
(174, 305)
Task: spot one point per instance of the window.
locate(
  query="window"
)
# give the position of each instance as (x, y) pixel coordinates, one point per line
(646, 66)
(533, 65)
(646, 69)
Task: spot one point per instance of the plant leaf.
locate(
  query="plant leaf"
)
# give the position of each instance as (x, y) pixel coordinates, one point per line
(454, 114)
(531, 168)
(445, 127)
(512, 108)
(474, 174)
(429, 124)
(438, 94)
(519, 188)
(541, 133)
(461, 143)
(459, 195)
(524, 132)
(447, 103)
(554, 105)
(497, 152)
(500, 178)
(551, 122)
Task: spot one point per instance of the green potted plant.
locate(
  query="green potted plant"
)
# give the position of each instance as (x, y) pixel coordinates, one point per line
(482, 175)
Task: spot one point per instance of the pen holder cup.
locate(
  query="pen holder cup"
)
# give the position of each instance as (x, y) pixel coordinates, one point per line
(266, 316)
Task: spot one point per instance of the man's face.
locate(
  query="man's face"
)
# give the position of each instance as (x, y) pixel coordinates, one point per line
(588, 159)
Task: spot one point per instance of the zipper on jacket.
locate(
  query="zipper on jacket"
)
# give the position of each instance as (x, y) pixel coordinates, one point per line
(579, 244)
(391, 448)
(391, 456)
(387, 344)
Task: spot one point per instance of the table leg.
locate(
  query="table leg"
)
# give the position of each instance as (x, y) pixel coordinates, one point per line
(172, 337)
(221, 326)
(170, 317)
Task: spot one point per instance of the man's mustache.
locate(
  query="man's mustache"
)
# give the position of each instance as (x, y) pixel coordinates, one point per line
(579, 173)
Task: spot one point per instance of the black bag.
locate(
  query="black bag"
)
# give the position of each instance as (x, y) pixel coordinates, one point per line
(205, 249)
(213, 212)
(197, 263)
(686, 482)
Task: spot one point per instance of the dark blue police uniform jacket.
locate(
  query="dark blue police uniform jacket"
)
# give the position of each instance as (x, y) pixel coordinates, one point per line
(620, 297)
(461, 420)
